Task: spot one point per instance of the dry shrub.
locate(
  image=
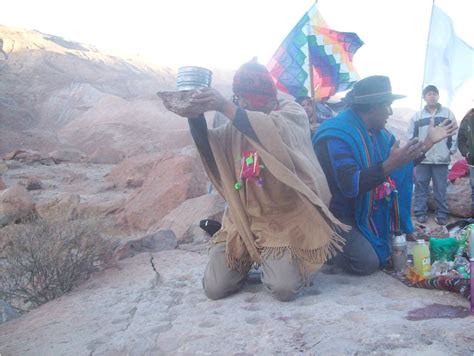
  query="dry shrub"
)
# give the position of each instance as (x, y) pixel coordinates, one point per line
(41, 260)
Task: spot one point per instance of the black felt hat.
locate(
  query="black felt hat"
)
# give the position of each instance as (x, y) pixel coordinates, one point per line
(372, 90)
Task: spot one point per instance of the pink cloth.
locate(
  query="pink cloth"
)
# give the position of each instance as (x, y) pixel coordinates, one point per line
(458, 170)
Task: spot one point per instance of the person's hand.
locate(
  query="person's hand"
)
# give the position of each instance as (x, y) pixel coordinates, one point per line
(212, 100)
(437, 133)
(411, 236)
(209, 98)
(400, 156)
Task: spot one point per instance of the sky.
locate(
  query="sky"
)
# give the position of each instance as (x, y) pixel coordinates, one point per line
(224, 34)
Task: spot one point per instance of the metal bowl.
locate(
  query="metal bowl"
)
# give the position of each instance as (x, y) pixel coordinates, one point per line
(190, 78)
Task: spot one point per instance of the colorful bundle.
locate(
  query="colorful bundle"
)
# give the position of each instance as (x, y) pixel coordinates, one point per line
(452, 284)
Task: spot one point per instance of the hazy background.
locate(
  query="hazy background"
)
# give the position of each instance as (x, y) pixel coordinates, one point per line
(224, 34)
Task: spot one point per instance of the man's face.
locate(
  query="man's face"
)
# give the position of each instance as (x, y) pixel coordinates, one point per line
(307, 105)
(246, 104)
(379, 115)
(431, 98)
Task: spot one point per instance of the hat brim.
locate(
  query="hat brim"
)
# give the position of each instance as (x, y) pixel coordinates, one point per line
(375, 99)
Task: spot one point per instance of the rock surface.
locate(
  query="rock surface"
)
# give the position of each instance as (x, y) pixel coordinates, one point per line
(458, 197)
(134, 310)
(7, 312)
(162, 240)
(185, 218)
(172, 179)
(58, 93)
(65, 205)
(67, 155)
(15, 204)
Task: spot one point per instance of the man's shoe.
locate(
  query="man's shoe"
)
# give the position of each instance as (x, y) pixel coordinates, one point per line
(441, 220)
(422, 219)
(210, 226)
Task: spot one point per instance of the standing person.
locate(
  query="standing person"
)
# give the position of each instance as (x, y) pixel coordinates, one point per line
(308, 105)
(466, 147)
(435, 164)
(323, 111)
(368, 174)
(263, 164)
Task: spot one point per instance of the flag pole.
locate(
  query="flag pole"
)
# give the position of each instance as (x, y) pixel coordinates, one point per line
(310, 67)
(310, 70)
(426, 53)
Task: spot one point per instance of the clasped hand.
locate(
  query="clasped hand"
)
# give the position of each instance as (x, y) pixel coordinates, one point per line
(210, 99)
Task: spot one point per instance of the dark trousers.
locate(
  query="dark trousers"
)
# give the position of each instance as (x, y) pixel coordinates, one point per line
(424, 174)
(358, 255)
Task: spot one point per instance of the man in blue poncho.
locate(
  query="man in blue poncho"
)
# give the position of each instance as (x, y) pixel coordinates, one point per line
(369, 176)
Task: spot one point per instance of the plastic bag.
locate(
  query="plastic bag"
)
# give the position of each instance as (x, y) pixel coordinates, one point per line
(443, 248)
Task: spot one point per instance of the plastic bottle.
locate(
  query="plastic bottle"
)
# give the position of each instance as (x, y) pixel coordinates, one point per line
(421, 259)
(399, 252)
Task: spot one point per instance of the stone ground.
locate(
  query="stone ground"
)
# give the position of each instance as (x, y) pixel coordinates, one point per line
(73, 178)
(131, 309)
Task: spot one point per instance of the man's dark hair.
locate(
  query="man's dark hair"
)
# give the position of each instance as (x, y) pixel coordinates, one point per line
(430, 88)
(362, 108)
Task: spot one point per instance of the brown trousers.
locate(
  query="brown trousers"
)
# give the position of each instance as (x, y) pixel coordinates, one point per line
(282, 276)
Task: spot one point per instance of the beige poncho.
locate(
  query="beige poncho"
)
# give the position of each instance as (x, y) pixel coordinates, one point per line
(289, 210)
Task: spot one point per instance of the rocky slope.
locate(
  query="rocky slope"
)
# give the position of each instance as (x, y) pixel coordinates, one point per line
(55, 92)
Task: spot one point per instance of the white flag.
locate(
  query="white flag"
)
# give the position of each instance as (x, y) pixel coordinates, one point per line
(449, 60)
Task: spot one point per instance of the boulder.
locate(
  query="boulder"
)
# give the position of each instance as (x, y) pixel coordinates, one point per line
(102, 208)
(64, 206)
(172, 179)
(132, 172)
(11, 155)
(458, 197)
(67, 155)
(34, 183)
(28, 156)
(15, 204)
(158, 241)
(106, 155)
(184, 219)
(3, 186)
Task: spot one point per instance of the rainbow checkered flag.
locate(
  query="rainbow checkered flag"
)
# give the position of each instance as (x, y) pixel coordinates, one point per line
(314, 60)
